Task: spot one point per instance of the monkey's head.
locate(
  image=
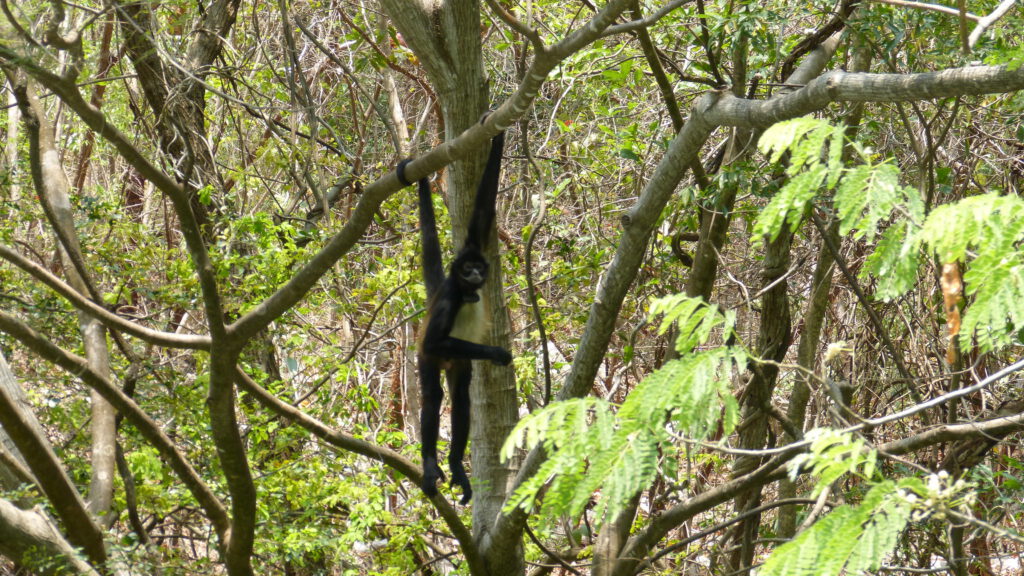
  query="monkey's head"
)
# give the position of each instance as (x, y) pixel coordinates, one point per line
(470, 269)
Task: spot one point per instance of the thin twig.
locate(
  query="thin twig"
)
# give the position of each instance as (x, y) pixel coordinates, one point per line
(987, 21)
(931, 7)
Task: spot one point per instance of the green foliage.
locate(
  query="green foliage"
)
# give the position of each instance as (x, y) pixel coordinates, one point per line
(802, 139)
(592, 447)
(895, 261)
(989, 228)
(832, 455)
(850, 538)
(982, 232)
(856, 538)
(864, 195)
(695, 318)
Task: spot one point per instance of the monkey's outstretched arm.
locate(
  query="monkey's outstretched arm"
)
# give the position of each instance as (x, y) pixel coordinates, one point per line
(486, 196)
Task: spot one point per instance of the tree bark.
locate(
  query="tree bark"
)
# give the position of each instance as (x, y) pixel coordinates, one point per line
(26, 536)
(774, 340)
(25, 432)
(53, 187)
(446, 37)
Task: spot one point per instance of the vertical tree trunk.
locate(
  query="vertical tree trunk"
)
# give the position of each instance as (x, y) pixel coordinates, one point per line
(774, 340)
(446, 37)
(814, 314)
(10, 157)
(53, 187)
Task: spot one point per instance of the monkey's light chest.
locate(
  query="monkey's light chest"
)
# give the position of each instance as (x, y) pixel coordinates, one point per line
(470, 322)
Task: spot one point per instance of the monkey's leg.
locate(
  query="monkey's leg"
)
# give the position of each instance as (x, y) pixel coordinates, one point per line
(459, 378)
(431, 395)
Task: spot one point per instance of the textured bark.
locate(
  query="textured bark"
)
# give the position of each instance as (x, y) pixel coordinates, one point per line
(446, 37)
(19, 422)
(773, 342)
(178, 100)
(53, 189)
(611, 539)
(13, 469)
(814, 315)
(29, 538)
(178, 97)
(807, 354)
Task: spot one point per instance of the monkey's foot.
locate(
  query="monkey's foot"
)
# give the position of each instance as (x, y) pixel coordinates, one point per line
(431, 475)
(460, 479)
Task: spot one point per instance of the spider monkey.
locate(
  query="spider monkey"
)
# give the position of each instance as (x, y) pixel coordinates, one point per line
(456, 324)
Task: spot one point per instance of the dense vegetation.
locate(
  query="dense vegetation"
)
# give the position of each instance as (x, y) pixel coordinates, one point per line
(761, 267)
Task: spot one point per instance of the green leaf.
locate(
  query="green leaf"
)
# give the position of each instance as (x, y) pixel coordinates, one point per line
(594, 450)
(865, 196)
(788, 205)
(849, 540)
(895, 261)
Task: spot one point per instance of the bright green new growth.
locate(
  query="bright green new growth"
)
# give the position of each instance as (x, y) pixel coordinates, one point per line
(592, 447)
(832, 455)
(989, 229)
(982, 232)
(854, 539)
(849, 540)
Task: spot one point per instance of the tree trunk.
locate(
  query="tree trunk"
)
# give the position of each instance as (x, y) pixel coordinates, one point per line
(446, 37)
(773, 342)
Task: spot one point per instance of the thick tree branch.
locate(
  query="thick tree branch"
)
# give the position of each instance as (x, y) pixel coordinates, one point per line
(640, 545)
(720, 109)
(996, 427)
(470, 141)
(109, 319)
(149, 429)
(28, 535)
(231, 453)
(50, 472)
(838, 86)
(986, 22)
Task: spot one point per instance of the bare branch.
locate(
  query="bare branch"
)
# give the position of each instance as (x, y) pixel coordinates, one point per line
(394, 460)
(109, 319)
(53, 479)
(932, 7)
(508, 18)
(647, 21)
(146, 426)
(28, 534)
(261, 315)
(950, 432)
(986, 22)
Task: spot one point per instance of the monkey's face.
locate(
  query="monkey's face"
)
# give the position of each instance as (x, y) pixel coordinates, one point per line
(471, 272)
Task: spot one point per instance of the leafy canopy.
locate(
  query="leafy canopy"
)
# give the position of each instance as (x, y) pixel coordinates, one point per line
(593, 447)
(854, 539)
(982, 233)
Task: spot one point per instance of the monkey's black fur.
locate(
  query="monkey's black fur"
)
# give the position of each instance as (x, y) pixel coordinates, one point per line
(455, 324)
